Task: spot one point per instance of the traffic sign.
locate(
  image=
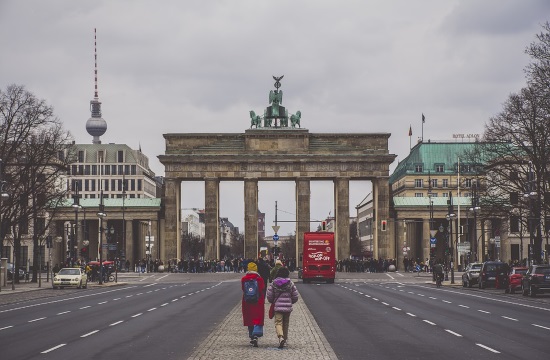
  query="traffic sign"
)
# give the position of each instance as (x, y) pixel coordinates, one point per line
(275, 237)
(276, 228)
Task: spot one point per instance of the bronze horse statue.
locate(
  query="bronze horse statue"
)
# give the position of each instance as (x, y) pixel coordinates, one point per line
(295, 119)
(255, 120)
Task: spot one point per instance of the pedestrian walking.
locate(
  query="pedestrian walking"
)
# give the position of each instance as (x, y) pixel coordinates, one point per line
(273, 273)
(264, 271)
(252, 303)
(282, 293)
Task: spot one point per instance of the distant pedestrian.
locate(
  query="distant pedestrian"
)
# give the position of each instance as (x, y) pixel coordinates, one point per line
(273, 274)
(283, 293)
(264, 271)
(252, 303)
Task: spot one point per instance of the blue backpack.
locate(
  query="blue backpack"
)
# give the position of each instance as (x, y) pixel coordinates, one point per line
(251, 291)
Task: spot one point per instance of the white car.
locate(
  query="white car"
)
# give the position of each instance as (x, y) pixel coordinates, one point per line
(70, 277)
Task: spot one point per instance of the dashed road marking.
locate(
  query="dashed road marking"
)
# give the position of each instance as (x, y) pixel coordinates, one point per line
(488, 348)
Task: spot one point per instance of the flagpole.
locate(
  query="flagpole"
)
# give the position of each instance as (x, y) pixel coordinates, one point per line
(423, 127)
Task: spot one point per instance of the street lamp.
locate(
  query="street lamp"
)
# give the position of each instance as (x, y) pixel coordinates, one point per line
(3, 195)
(101, 214)
(450, 216)
(475, 209)
(530, 195)
(109, 232)
(76, 206)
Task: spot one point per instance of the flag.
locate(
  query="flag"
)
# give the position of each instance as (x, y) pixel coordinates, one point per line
(423, 119)
(410, 130)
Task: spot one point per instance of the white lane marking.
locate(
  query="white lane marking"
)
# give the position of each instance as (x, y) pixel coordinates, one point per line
(174, 300)
(52, 349)
(360, 293)
(385, 303)
(413, 315)
(65, 299)
(464, 306)
(452, 332)
(164, 304)
(152, 309)
(115, 299)
(483, 311)
(38, 319)
(136, 315)
(129, 296)
(396, 308)
(103, 302)
(401, 290)
(488, 348)
(181, 297)
(375, 299)
(447, 301)
(421, 295)
(116, 323)
(391, 277)
(410, 292)
(88, 334)
(509, 318)
(433, 298)
(367, 295)
(6, 327)
(189, 294)
(139, 294)
(84, 307)
(429, 322)
(64, 312)
(540, 326)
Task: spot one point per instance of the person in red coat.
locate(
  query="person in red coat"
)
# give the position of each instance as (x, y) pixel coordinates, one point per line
(253, 313)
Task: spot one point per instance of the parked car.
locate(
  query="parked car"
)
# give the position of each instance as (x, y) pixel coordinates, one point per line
(536, 280)
(513, 281)
(471, 274)
(493, 274)
(70, 277)
(22, 272)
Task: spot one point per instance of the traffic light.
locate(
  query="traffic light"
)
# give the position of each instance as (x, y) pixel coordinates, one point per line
(323, 225)
(384, 225)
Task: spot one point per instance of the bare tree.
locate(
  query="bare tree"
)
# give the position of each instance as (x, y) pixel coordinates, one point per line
(517, 160)
(36, 152)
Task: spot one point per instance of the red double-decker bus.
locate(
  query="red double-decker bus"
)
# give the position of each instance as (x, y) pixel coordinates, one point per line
(319, 257)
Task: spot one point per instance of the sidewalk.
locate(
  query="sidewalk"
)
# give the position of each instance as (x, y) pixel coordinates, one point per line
(230, 339)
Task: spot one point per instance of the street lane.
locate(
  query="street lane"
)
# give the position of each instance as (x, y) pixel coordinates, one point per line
(146, 320)
(382, 317)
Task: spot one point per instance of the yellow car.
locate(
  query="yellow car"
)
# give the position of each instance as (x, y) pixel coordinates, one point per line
(70, 277)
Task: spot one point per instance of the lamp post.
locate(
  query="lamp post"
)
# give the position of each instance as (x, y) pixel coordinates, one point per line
(123, 252)
(101, 214)
(450, 216)
(530, 195)
(109, 232)
(3, 195)
(475, 208)
(149, 246)
(76, 206)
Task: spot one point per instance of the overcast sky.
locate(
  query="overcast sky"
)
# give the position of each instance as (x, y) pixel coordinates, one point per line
(201, 66)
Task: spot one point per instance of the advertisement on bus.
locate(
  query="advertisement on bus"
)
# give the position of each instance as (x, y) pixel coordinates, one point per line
(318, 257)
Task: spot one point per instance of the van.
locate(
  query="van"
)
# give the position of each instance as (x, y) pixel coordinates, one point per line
(493, 274)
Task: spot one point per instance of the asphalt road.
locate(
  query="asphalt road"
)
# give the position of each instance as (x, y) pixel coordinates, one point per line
(382, 316)
(145, 320)
(407, 318)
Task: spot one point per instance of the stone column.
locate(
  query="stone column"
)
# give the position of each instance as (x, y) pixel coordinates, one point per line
(172, 226)
(211, 218)
(129, 231)
(251, 218)
(341, 205)
(385, 249)
(303, 197)
(401, 235)
(425, 239)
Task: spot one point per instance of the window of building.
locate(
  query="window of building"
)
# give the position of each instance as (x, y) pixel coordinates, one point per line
(434, 194)
(468, 183)
(434, 183)
(86, 185)
(81, 156)
(418, 194)
(100, 156)
(139, 185)
(120, 156)
(92, 182)
(113, 169)
(445, 194)
(80, 169)
(106, 185)
(113, 185)
(439, 168)
(107, 170)
(514, 224)
(87, 170)
(61, 155)
(133, 184)
(121, 169)
(94, 169)
(418, 168)
(126, 169)
(134, 172)
(119, 184)
(445, 183)
(418, 183)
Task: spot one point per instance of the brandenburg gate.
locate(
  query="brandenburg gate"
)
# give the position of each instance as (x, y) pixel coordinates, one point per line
(273, 150)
